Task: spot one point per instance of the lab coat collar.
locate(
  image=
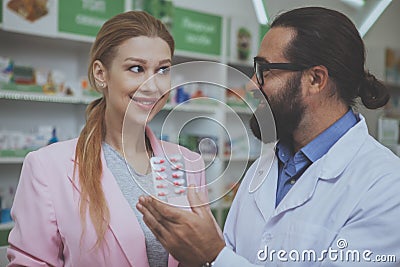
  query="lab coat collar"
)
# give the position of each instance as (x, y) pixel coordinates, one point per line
(343, 151)
(264, 184)
(329, 166)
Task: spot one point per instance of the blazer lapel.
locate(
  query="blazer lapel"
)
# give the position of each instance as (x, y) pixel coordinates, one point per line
(123, 221)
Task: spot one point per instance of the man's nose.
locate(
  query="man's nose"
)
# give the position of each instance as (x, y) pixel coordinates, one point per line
(252, 84)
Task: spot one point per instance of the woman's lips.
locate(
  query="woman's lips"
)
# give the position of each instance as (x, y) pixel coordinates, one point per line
(145, 102)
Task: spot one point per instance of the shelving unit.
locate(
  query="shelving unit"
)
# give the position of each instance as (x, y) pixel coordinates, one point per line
(26, 96)
(389, 121)
(11, 160)
(68, 53)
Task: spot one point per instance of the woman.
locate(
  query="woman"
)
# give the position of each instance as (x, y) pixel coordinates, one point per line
(75, 202)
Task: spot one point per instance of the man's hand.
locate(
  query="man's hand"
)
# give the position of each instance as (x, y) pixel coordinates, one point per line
(193, 238)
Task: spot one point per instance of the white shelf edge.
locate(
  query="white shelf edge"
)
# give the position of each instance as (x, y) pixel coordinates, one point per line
(227, 158)
(220, 204)
(245, 64)
(196, 56)
(241, 110)
(7, 225)
(14, 160)
(192, 108)
(75, 37)
(15, 95)
(208, 158)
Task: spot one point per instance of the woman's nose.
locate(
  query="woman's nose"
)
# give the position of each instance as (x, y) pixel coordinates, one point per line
(150, 83)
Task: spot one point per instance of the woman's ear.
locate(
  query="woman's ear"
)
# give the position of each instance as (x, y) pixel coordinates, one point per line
(100, 74)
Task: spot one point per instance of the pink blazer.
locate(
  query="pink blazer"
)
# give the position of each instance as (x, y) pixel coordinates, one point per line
(48, 229)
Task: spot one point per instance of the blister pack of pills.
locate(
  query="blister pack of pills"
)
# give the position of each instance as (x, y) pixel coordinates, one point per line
(169, 177)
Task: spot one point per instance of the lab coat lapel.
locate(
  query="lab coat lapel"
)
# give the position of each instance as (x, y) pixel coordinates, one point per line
(123, 221)
(264, 182)
(328, 167)
(302, 191)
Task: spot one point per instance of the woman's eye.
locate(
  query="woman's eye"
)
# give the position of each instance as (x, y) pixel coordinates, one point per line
(164, 70)
(136, 69)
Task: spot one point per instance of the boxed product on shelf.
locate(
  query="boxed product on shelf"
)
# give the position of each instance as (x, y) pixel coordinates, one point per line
(206, 145)
(240, 97)
(21, 78)
(30, 10)
(6, 200)
(53, 83)
(392, 108)
(87, 90)
(6, 69)
(392, 66)
(16, 144)
(235, 97)
(388, 131)
(24, 75)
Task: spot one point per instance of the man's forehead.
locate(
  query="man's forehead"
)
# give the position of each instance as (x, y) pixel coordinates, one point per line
(274, 44)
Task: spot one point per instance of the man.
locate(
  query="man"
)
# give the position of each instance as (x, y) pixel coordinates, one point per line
(331, 196)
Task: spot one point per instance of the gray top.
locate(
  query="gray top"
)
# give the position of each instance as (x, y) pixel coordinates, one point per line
(157, 255)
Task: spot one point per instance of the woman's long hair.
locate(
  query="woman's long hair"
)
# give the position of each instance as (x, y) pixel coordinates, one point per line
(88, 149)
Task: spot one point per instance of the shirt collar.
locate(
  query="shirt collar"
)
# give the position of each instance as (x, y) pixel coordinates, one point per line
(320, 145)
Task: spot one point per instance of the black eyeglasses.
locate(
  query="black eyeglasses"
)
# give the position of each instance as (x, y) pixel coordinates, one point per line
(261, 65)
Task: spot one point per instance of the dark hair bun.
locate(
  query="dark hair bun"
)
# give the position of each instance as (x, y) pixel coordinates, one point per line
(372, 92)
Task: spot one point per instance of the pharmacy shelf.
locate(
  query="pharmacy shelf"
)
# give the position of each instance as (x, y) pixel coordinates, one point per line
(19, 160)
(242, 110)
(6, 226)
(69, 54)
(11, 160)
(28, 96)
(202, 108)
(243, 158)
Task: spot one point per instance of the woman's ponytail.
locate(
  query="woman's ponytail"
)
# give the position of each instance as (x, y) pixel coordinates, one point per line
(88, 156)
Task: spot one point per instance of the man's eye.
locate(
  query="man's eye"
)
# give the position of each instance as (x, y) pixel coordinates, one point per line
(164, 70)
(266, 73)
(136, 68)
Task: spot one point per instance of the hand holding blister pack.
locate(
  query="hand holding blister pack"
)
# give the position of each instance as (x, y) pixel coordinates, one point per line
(169, 179)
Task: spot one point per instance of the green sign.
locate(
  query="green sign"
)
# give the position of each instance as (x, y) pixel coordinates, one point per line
(197, 32)
(263, 30)
(161, 9)
(85, 17)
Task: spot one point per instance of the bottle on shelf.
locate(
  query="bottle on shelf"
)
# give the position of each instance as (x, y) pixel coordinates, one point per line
(54, 138)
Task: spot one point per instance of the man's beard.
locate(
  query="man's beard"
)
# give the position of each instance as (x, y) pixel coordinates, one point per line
(287, 108)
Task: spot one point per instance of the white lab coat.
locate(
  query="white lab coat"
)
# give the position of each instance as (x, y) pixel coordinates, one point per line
(347, 200)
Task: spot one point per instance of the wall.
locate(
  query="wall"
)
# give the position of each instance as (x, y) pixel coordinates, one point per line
(384, 33)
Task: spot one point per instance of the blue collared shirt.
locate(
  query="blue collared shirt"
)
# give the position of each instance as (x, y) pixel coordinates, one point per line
(292, 166)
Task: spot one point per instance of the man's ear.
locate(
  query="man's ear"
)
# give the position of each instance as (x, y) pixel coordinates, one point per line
(100, 74)
(317, 79)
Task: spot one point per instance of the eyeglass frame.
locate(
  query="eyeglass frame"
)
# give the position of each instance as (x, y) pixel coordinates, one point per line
(266, 66)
